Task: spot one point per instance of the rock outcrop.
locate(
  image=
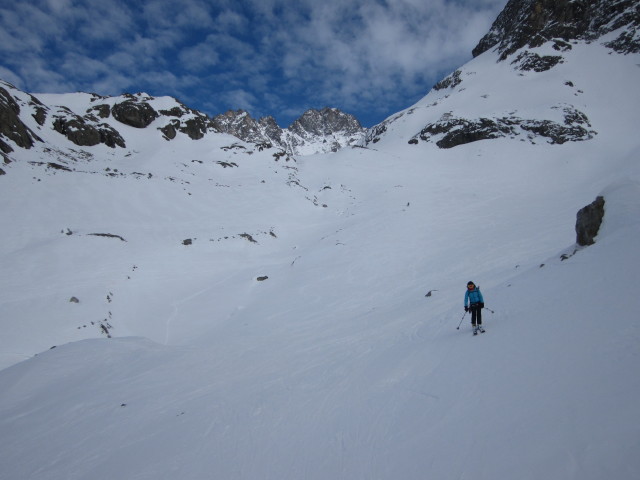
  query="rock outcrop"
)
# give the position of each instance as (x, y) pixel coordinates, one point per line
(240, 124)
(11, 126)
(185, 120)
(134, 113)
(588, 221)
(450, 131)
(86, 131)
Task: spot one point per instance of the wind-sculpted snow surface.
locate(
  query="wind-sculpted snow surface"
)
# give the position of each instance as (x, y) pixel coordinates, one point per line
(338, 366)
(219, 309)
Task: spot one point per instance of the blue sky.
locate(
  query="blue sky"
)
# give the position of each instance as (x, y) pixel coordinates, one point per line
(370, 58)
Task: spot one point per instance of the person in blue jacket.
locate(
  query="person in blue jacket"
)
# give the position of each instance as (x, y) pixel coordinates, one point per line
(474, 303)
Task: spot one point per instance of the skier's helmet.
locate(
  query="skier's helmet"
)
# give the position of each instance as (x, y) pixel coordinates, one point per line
(470, 285)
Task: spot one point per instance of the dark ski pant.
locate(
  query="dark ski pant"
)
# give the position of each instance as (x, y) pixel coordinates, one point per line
(476, 315)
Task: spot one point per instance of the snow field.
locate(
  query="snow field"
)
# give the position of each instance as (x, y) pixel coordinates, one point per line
(337, 365)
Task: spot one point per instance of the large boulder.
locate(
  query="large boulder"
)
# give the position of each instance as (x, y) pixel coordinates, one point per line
(135, 114)
(588, 221)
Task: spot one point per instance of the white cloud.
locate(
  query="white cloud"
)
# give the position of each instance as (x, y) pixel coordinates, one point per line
(200, 57)
(244, 100)
(59, 5)
(9, 76)
(369, 51)
(230, 21)
(251, 54)
(164, 14)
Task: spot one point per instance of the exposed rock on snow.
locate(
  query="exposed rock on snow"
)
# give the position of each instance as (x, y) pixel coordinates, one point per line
(449, 131)
(183, 119)
(134, 113)
(11, 126)
(450, 81)
(86, 131)
(528, 61)
(588, 222)
(316, 131)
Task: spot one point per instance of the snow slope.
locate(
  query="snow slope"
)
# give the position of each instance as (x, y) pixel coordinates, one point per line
(338, 365)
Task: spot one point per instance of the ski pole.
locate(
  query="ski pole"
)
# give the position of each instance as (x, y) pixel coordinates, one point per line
(465, 313)
(489, 310)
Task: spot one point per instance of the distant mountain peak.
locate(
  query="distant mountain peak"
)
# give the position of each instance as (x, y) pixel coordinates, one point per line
(326, 122)
(88, 119)
(315, 131)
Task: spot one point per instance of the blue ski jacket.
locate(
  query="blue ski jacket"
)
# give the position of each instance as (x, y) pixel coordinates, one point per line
(473, 296)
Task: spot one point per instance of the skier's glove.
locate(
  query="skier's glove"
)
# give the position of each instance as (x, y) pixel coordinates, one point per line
(466, 309)
(481, 305)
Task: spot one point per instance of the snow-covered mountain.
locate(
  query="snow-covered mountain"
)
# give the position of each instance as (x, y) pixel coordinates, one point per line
(212, 308)
(541, 42)
(316, 131)
(89, 119)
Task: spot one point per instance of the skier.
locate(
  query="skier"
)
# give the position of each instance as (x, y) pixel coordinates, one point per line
(474, 303)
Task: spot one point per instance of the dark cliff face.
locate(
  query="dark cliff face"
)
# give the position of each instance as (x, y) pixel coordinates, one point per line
(588, 222)
(11, 127)
(533, 22)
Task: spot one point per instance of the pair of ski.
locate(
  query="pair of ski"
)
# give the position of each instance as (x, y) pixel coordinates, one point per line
(478, 329)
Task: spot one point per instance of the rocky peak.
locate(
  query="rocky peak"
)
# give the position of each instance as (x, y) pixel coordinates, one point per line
(323, 130)
(531, 23)
(240, 124)
(325, 122)
(272, 131)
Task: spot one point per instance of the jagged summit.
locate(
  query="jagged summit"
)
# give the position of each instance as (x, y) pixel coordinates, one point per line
(240, 124)
(316, 131)
(88, 119)
(325, 122)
